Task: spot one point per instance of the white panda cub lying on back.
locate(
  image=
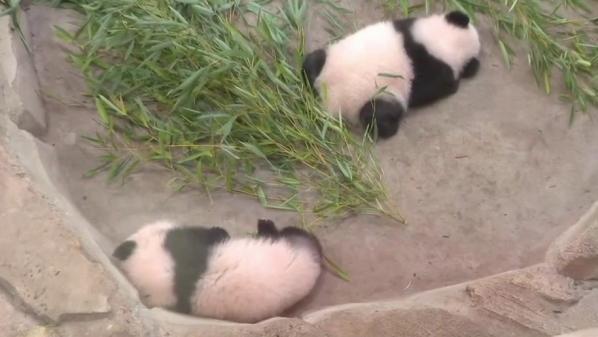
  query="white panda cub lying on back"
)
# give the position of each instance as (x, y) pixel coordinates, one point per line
(415, 60)
(203, 272)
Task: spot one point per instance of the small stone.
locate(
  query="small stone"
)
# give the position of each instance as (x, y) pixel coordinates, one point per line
(38, 331)
(529, 297)
(13, 321)
(81, 286)
(581, 333)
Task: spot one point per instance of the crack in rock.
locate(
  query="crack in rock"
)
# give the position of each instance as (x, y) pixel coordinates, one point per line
(20, 304)
(15, 299)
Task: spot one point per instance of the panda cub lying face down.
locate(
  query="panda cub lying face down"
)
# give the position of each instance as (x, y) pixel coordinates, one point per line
(375, 74)
(203, 272)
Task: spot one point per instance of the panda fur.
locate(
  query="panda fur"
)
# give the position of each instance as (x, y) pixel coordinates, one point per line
(204, 272)
(379, 71)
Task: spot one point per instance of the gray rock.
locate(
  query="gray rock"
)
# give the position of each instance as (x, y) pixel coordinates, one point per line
(423, 322)
(47, 270)
(533, 297)
(575, 253)
(26, 107)
(582, 333)
(13, 322)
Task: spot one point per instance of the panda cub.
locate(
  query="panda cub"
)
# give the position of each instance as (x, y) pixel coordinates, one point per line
(376, 73)
(204, 272)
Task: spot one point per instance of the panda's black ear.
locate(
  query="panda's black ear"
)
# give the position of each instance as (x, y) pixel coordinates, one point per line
(124, 250)
(312, 66)
(301, 237)
(458, 19)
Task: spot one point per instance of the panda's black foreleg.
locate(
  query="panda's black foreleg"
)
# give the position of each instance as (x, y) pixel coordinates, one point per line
(384, 113)
(471, 68)
(433, 81)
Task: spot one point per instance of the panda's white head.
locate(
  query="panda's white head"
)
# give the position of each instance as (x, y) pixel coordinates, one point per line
(452, 39)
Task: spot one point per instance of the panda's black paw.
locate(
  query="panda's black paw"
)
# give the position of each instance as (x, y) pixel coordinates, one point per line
(471, 68)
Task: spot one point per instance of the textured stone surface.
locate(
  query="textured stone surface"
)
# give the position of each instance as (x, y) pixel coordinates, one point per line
(25, 107)
(412, 323)
(45, 272)
(575, 253)
(278, 327)
(534, 297)
(41, 331)
(584, 314)
(582, 333)
(14, 322)
(47, 269)
(112, 326)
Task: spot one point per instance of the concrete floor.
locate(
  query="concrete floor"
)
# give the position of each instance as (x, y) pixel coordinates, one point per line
(486, 180)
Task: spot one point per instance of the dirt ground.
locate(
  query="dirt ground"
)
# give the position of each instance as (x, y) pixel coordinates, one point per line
(486, 180)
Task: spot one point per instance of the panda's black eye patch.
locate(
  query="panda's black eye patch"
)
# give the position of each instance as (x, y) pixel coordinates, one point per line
(125, 250)
(458, 19)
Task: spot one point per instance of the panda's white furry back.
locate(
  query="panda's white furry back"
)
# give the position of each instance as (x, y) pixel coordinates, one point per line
(376, 73)
(201, 271)
(250, 279)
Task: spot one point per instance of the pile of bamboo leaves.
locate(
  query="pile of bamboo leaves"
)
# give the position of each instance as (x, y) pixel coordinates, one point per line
(212, 90)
